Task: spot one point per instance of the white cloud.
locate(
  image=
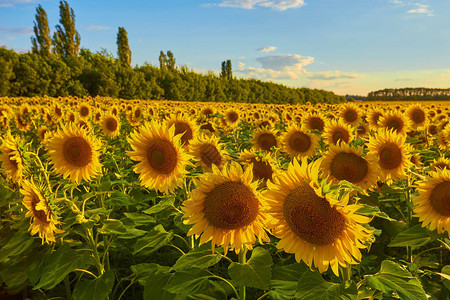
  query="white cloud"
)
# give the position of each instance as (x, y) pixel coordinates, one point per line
(96, 27)
(11, 3)
(267, 49)
(421, 9)
(17, 30)
(396, 1)
(251, 4)
(283, 66)
(332, 75)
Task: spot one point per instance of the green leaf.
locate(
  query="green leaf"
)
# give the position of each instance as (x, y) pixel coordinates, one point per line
(154, 240)
(112, 226)
(163, 204)
(60, 263)
(256, 272)
(15, 246)
(197, 259)
(394, 278)
(95, 289)
(415, 236)
(373, 211)
(188, 282)
(154, 286)
(140, 219)
(145, 269)
(118, 199)
(445, 274)
(284, 280)
(311, 285)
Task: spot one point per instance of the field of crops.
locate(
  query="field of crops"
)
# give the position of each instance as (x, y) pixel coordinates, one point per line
(112, 199)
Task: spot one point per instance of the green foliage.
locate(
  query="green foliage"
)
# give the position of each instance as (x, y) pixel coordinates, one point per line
(41, 42)
(311, 285)
(409, 94)
(123, 49)
(94, 289)
(394, 278)
(66, 39)
(100, 74)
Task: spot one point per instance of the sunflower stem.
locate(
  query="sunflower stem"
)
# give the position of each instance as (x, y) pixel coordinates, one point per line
(68, 291)
(346, 273)
(408, 207)
(242, 257)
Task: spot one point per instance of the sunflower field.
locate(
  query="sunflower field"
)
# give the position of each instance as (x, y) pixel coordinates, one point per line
(104, 198)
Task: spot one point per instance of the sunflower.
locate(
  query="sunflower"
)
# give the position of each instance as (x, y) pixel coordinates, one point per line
(11, 158)
(74, 154)
(299, 143)
(432, 129)
(185, 126)
(161, 160)
(418, 116)
(42, 217)
(4, 122)
(343, 162)
(395, 121)
(44, 134)
(313, 225)
(432, 206)
(350, 114)
(440, 163)
(336, 131)
(373, 117)
(265, 139)
(84, 111)
(362, 130)
(110, 125)
(262, 166)
(313, 121)
(232, 117)
(208, 151)
(22, 123)
(226, 209)
(208, 128)
(392, 152)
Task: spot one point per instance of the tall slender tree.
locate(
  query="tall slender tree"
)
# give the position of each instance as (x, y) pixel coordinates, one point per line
(229, 71)
(162, 60)
(123, 49)
(170, 61)
(66, 39)
(41, 41)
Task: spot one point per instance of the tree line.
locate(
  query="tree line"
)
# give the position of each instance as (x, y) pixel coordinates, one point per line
(420, 93)
(56, 66)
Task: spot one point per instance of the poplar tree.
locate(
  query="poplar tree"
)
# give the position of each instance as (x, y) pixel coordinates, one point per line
(123, 49)
(170, 61)
(41, 41)
(66, 39)
(162, 60)
(229, 71)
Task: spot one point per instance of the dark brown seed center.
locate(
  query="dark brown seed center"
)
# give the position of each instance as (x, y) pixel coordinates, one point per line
(390, 156)
(349, 166)
(311, 217)
(267, 141)
(162, 156)
(299, 142)
(440, 198)
(77, 151)
(231, 205)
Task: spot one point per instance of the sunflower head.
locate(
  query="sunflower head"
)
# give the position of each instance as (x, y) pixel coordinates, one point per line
(161, 160)
(440, 163)
(342, 162)
(110, 125)
(226, 209)
(314, 121)
(11, 158)
(315, 226)
(262, 165)
(43, 220)
(264, 139)
(184, 126)
(417, 115)
(395, 121)
(74, 154)
(432, 206)
(392, 152)
(336, 132)
(299, 143)
(208, 151)
(350, 114)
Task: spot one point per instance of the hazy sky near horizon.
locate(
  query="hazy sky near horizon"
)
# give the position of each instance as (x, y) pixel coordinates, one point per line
(346, 46)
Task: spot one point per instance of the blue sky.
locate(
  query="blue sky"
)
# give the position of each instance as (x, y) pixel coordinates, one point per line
(346, 46)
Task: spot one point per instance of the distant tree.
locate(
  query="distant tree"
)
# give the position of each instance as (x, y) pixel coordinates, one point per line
(42, 42)
(66, 39)
(226, 71)
(170, 61)
(123, 49)
(229, 71)
(162, 60)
